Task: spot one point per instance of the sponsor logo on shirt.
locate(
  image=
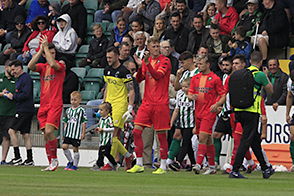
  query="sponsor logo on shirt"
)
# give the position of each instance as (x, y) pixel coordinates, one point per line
(49, 77)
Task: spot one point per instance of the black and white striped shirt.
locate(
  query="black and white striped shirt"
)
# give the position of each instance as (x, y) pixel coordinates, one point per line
(107, 125)
(186, 110)
(74, 118)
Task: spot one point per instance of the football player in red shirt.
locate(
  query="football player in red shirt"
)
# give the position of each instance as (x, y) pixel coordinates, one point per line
(206, 88)
(52, 75)
(154, 111)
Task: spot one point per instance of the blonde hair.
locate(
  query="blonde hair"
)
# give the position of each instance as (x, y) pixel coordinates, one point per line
(157, 33)
(76, 94)
(97, 26)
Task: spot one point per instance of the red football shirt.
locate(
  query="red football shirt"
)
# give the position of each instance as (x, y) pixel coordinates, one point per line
(208, 87)
(156, 89)
(51, 83)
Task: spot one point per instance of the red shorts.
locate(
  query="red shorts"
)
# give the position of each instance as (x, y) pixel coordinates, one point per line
(49, 115)
(204, 125)
(156, 115)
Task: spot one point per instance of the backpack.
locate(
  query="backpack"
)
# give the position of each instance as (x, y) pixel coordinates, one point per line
(241, 88)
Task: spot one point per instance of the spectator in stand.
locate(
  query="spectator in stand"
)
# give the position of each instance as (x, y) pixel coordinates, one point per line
(198, 35)
(21, 2)
(279, 80)
(54, 12)
(65, 40)
(140, 43)
(131, 66)
(159, 28)
(18, 38)
(97, 49)
(165, 49)
(119, 31)
(9, 13)
(137, 25)
(209, 14)
(185, 13)
(130, 41)
(124, 53)
(240, 46)
(227, 17)
(37, 8)
(24, 99)
(250, 18)
(217, 46)
(129, 8)
(177, 33)
(41, 27)
(78, 14)
(274, 25)
(146, 11)
(7, 109)
(111, 10)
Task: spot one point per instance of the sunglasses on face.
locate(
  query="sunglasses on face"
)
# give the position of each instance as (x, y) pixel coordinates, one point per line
(41, 22)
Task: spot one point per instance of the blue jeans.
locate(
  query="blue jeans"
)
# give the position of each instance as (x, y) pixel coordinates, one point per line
(89, 112)
(99, 16)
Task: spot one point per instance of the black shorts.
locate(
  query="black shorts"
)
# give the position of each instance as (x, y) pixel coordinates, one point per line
(73, 142)
(22, 122)
(223, 125)
(5, 124)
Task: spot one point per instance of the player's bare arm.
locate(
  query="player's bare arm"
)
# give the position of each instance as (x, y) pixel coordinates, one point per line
(35, 59)
(48, 53)
(130, 87)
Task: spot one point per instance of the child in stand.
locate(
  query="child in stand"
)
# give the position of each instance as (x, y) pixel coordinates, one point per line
(74, 130)
(105, 129)
(184, 115)
(240, 46)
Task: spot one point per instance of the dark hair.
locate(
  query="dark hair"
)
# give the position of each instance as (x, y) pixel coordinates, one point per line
(112, 49)
(240, 57)
(240, 30)
(108, 107)
(214, 26)
(175, 14)
(141, 23)
(16, 63)
(51, 46)
(277, 60)
(181, 1)
(186, 55)
(198, 16)
(255, 57)
(123, 44)
(227, 58)
(35, 22)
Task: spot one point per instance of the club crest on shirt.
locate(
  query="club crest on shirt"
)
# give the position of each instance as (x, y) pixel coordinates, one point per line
(209, 78)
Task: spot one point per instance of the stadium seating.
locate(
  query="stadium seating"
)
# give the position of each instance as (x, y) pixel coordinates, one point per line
(1, 68)
(82, 53)
(81, 73)
(87, 96)
(94, 80)
(36, 91)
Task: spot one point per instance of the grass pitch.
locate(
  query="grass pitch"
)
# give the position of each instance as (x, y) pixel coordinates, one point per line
(20, 181)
